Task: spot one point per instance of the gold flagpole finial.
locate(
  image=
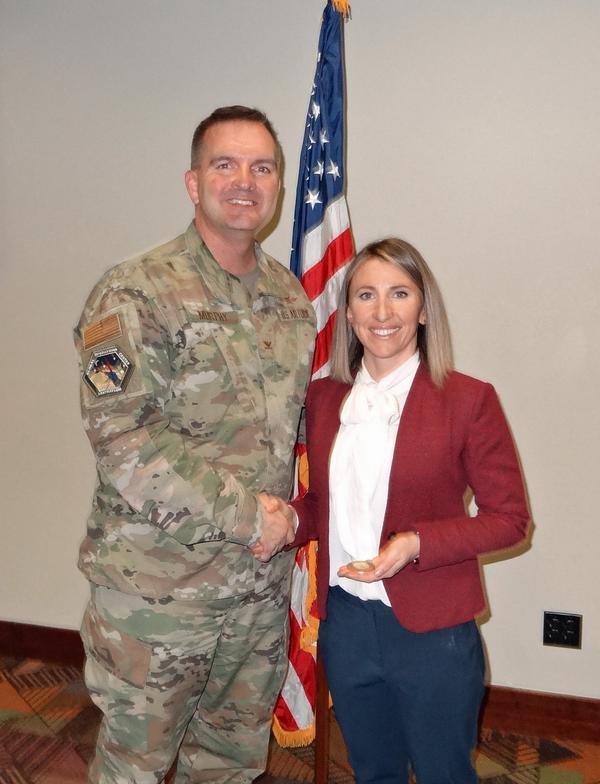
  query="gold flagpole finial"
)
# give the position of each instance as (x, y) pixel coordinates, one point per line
(343, 6)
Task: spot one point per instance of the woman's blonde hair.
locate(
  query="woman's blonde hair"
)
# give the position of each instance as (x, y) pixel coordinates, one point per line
(433, 337)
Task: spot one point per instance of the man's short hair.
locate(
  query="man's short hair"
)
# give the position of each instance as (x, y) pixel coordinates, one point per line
(230, 114)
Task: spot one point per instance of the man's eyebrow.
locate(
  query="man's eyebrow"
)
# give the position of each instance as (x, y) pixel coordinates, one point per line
(216, 158)
(270, 161)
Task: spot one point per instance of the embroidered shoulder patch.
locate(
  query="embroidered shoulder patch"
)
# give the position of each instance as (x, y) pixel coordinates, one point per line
(108, 372)
(101, 331)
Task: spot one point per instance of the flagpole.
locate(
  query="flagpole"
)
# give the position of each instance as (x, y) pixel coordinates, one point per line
(322, 729)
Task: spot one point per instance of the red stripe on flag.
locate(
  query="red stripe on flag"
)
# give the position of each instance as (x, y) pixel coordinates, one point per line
(305, 667)
(323, 344)
(338, 252)
(284, 716)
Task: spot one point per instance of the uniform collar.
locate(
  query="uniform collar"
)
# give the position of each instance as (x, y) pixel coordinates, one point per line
(222, 284)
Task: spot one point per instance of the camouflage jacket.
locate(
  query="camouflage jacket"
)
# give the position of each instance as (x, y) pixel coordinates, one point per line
(191, 394)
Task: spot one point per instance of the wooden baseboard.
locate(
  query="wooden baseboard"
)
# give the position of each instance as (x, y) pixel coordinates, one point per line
(541, 714)
(28, 641)
(537, 713)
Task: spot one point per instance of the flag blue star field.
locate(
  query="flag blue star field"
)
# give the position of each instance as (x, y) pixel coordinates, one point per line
(322, 239)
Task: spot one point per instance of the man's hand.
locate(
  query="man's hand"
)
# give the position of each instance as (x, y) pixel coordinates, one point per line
(277, 528)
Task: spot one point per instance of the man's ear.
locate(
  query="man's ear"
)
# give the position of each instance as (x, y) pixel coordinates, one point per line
(191, 185)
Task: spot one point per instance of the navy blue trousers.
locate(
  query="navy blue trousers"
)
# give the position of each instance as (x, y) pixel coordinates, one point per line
(402, 699)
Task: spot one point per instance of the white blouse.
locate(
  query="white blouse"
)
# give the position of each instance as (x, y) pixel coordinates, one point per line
(359, 471)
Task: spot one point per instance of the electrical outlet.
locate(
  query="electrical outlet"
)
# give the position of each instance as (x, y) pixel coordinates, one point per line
(562, 629)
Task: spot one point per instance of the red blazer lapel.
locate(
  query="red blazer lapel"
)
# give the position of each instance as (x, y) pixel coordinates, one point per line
(416, 434)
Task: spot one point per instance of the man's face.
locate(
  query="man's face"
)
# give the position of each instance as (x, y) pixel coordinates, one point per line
(236, 182)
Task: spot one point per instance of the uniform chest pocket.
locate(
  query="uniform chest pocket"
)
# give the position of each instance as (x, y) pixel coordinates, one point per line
(216, 368)
(293, 335)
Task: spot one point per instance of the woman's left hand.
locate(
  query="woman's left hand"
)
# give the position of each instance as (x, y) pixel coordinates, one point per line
(403, 548)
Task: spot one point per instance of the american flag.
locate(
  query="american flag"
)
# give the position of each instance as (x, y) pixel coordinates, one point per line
(322, 239)
(322, 245)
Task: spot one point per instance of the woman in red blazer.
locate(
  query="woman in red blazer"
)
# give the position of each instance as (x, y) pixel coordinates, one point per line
(395, 441)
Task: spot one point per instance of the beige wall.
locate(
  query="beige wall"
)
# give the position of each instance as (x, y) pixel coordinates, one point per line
(473, 131)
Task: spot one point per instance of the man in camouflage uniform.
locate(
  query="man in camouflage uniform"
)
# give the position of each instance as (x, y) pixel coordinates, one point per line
(195, 358)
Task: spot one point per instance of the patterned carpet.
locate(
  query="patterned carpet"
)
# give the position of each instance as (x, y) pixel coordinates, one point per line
(48, 728)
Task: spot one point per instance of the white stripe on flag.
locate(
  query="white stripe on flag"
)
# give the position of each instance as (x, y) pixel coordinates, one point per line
(326, 303)
(321, 372)
(298, 596)
(335, 222)
(296, 700)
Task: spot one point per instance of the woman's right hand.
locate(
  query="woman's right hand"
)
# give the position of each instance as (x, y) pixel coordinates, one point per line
(402, 549)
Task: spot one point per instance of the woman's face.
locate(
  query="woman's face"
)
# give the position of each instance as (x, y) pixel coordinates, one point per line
(385, 308)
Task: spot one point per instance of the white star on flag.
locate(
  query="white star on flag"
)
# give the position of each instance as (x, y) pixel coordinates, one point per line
(312, 198)
(333, 170)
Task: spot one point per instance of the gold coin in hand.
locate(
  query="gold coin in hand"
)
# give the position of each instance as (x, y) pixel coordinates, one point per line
(361, 566)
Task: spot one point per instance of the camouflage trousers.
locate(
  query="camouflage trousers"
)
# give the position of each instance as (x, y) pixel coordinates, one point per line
(193, 679)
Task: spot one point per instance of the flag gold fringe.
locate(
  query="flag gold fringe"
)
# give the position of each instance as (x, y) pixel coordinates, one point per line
(292, 739)
(343, 6)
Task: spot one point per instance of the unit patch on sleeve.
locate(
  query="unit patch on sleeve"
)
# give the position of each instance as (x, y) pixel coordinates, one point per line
(108, 371)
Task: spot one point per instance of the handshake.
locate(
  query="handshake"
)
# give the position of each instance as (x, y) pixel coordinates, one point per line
(278, 527)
